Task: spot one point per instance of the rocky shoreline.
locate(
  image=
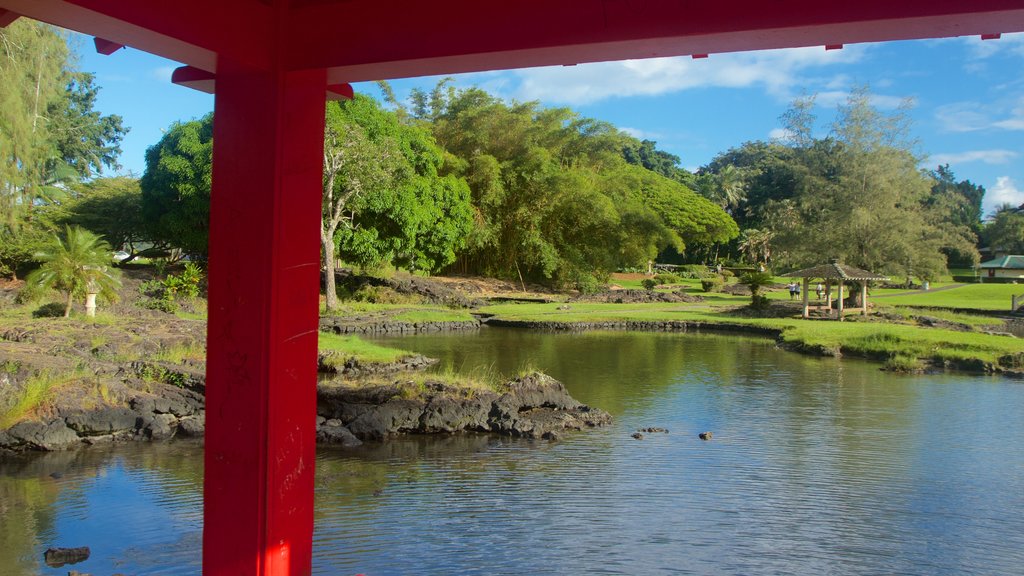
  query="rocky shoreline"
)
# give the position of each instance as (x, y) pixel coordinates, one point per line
(339, 325)
(349, 411)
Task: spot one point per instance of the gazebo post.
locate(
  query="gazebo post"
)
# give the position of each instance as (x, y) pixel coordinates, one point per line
(839, 307)
(807, 284)
(864, 296)
(262, 333)
(828, 296)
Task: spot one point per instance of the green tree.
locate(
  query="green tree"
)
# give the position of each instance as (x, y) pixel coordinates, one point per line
(385, 199)
(857, 195)
(77, 264)
(112, 208)
(956, 207)
(756, 281)
(176, 186)
(1004, 231)
(556, 199)
(50, 135)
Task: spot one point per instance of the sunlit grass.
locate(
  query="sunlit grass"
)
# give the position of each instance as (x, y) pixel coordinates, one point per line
(872, 339)
(349, 346)
(18, 402)
(969, 296)
(192, 352)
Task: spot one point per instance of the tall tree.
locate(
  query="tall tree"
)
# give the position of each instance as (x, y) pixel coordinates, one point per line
(176, 185)
(112, 208)
(1004, 231)
(31, 70)
(384, 197)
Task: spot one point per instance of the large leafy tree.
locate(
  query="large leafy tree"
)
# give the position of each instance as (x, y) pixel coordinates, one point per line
(560, 198)
(385, 200)
(1004, 231)
(112, 208)
(856, 195)
(76, 264)
(176, 185)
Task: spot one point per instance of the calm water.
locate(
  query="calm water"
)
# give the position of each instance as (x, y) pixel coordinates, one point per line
(816, 467)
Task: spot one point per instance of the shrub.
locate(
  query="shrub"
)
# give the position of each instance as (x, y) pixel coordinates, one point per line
(163, 294)
(695, 271)
(587, 284)
(713, 284)
(51, 310)
(666, 278)
(648, 283)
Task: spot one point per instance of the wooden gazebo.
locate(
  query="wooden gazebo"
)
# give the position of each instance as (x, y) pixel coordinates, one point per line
(835, 271)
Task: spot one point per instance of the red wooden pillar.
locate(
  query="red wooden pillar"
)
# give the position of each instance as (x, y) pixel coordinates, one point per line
(262, 335)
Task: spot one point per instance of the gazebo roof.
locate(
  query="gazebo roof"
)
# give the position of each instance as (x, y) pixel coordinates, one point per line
(835, 270)
(1012, 262)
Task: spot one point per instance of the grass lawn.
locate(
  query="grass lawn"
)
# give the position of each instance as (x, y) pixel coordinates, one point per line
(401, 312)
(974, 296)
(904, 346)
(356, 347)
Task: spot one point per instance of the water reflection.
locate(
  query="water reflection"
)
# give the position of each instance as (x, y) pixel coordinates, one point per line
(817, 466)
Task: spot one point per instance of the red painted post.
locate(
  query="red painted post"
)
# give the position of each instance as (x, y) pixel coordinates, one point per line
(262, 335)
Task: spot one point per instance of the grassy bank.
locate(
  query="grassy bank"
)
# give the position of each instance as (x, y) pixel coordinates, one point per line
(901, 346)
(361, 350)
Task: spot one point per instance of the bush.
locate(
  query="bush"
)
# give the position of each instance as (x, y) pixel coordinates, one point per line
(666, 278)
(163, 294)
(587, 284)
(713, 284)
(694, 271)
(648, 283)
(51, 310)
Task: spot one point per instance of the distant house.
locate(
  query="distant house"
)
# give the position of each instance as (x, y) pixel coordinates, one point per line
(1005, 267)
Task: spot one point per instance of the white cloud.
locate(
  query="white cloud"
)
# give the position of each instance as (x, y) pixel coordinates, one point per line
(781, 134)
(640, 134)
(979, 49)
(973, 116)
(778, 72)
(162, 73)
(986, 156)
(1015, 119)
(1005, 191)
(961, 117)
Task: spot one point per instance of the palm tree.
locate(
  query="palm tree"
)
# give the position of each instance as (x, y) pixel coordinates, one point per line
(77, 264)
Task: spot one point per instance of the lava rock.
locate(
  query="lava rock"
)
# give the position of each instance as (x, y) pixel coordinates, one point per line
(57, 557)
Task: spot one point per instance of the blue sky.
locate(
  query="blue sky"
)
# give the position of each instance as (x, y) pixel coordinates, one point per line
(967, 98)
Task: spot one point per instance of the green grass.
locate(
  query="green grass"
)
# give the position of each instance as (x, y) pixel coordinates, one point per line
(18, 402)
(896, 342)
(181, 353)
(405, 312)
(969, 296)
(356, 347)
(433, 315)
(906, 342)
(972, 320)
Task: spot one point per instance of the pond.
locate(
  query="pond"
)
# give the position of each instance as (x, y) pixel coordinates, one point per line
(815, 466)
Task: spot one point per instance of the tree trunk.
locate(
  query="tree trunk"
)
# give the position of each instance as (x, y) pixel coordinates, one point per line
(330, 291)
(67, 309)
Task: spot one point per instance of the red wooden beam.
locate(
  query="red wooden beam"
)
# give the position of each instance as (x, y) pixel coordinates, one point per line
(7, 18)
(262, 335)
(192, 32)
(340, 92)
(463, 35)
(194, 78)
(106, 47)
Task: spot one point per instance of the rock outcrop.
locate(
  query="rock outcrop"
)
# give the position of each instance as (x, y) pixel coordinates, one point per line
(533, 406)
